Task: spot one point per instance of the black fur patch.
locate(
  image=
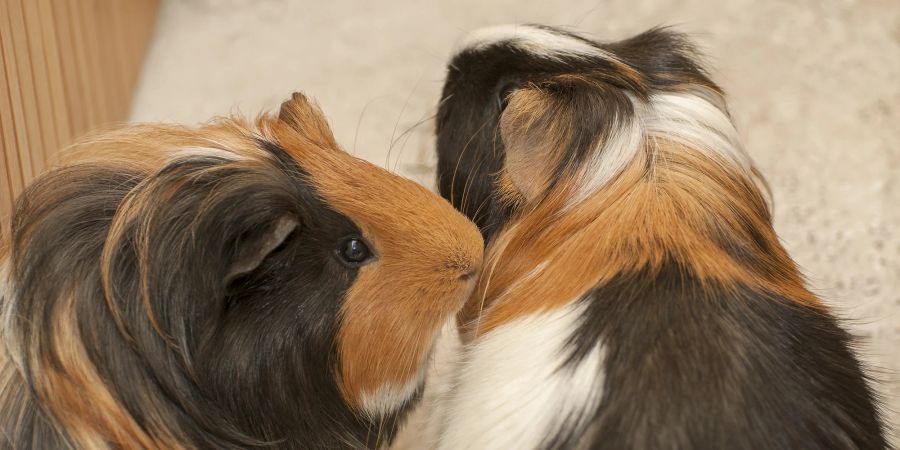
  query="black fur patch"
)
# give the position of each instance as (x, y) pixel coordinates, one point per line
(691, 366)
(687, 365)
(470, 151)
(248, 365)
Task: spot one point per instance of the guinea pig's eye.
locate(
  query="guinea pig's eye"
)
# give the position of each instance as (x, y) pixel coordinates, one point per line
(353, 251)
(503, 94)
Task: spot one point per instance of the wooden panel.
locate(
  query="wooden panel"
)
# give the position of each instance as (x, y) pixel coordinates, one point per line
(53, 60)
(21, 91)
(67, 67)
(44, 104)
(11, 183)
(5, 191)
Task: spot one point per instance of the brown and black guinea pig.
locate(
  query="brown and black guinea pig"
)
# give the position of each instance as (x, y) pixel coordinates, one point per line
(246, 284)
(634, 294)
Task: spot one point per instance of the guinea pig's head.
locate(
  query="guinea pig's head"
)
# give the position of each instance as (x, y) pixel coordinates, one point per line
(241, 284)
(530, 112)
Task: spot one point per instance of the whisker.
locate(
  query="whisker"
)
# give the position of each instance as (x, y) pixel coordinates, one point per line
(407, 134)
(480, 206)
(412, 91)
(487, 285)
(585, 15)
(470, 180)
(461, 154)
(359, 121)
(445, 100)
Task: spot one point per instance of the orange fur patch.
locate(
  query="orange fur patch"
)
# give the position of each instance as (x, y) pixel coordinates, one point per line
(425, 250)
(76, 395)
(676, 208)
(398, 304)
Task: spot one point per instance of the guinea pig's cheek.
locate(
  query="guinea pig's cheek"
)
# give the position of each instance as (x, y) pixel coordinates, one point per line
(387, 331)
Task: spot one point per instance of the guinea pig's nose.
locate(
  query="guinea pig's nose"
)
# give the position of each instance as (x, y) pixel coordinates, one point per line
(468, 276)
(465, 263)
(466, 250)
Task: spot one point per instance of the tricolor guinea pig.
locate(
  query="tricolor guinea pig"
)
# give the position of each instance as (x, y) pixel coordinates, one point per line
(243, 285)
(634, 294)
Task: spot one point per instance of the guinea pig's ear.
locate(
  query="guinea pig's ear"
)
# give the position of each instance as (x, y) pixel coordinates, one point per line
(530, 130)
(254, 249)
(547, 128)
(305, 117)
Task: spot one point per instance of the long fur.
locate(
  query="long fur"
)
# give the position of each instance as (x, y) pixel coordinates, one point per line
(631, 261)
(169, 288)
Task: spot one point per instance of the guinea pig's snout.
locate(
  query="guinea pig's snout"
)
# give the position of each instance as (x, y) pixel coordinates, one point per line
(464, 267)
(465, 261)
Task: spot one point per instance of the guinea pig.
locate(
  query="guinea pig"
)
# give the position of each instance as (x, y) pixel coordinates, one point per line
(243, 285)
(634, 293)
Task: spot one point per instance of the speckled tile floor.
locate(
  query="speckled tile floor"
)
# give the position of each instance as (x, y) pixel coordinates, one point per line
(814, 86)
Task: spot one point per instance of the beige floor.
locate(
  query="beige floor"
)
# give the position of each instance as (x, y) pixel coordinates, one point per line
(814, 84)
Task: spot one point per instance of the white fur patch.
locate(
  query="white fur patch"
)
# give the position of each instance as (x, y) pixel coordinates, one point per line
(423, 424)
(691, 118)
(389, 397)
(537, 41)
(512, 390)
(610, 159)
(696, 119)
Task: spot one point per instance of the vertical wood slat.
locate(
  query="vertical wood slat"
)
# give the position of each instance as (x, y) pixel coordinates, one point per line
(7, 139)
(52, 59)
(13, 181)
(71, 72)
(115, 81)
(89, 11)
(40, 81)
(22, 91)
(82, 65)
(67, 67)
(5, 189)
